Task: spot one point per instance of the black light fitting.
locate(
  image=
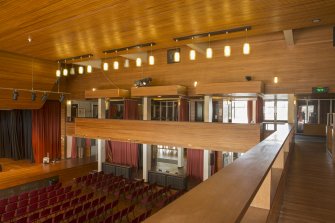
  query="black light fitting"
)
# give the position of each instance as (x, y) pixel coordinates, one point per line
(61, 98)
(143, 82)
(130, 47)
(15, 95)
(219, 32)
(44, 97)
(75, 58)
(33, 96)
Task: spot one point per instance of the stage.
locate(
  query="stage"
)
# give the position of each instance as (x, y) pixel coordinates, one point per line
(22, 172)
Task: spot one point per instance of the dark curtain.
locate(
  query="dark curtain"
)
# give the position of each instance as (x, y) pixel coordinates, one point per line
(46, 131)
(259, 110)
(324, 109)
(183, 110)
(130, 111)
(195, 163)
(15, 134)
(249, 111)
(112, 114)
(124, 153)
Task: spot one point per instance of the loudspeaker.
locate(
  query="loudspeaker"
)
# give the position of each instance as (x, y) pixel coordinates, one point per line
(247, 78)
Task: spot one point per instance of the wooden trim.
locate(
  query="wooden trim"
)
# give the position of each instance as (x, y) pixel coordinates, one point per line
(70, 128)
(232, 137)
(107, 93)
(171, 90)
(246, 87)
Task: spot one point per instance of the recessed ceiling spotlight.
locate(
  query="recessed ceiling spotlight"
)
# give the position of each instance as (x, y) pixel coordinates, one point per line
(316, 20)
(29, 39)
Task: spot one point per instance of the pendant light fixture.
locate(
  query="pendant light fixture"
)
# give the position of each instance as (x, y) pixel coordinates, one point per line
(275, 80)
(192, 53)
(176, 55)
(81, 70)
(126, 63)
(151, 57)
(246, 45)
(65, 70)
(227, 49)
(89, 68)
(72, 70)
(105, 64)
(116, 65)
(138, 62)
(209, 51)
(58, 72)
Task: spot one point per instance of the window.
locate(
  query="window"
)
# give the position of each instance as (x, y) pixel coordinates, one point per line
(272, 107)
(240, 112)
(269, 110)
(282, 110)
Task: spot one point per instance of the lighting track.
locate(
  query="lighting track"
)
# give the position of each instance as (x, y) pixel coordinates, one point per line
(215, 33)
(30, 90)
(75, 58)
(130, 47)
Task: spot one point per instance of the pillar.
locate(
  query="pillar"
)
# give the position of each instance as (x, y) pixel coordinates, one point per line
(254, 111)
(291, 109)
(146, 147)
(180, 157)
(101, 142)
(208, 115)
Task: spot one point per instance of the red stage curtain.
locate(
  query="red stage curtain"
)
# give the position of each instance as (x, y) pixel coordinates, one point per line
(130, 111)
(46, 131)
(195, 163)
(122, 153)
(249, 111)
(112, 111)
(183, 110)
(74, 148)
(259, 110)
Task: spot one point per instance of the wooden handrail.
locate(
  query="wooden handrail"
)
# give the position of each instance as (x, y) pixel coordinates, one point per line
(226, 196)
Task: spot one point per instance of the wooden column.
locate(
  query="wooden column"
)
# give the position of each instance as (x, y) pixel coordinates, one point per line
(208, 115)
(101, 142)
(146, 147)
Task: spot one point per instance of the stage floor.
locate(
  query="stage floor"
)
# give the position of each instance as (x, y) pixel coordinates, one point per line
(23, 171)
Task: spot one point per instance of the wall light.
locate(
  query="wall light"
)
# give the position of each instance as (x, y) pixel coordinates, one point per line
(176, 56)
(58, 73)
(227, 51)
(65, 72)
(151, 60)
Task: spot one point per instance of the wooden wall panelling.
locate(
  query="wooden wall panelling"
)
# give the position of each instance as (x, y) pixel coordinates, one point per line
(70, 128)
(107, 93)
(217, 136)
(256, 87)
(171, 90)
(310, 62)
(315, 129)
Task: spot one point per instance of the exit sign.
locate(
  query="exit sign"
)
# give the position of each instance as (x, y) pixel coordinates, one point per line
(318, 90)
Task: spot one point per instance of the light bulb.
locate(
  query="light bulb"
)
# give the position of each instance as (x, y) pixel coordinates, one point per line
(192, 54)
(138, 62)
(72, 71)
(195, 83)
(209, 53)
(116, 65)
(176, 56)
(246, 48)
(89, 69)
(227, 51)
(126, 63)
(58, 73)
(65, 71)
(275, 80)
(105, 66)
(81, 70)
(151, 60)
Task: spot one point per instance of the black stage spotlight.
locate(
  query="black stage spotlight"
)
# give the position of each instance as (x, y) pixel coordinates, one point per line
(247, 78)
(44, 97)
(143, 82)
(61, 98)
(33, 96)
(15, 95)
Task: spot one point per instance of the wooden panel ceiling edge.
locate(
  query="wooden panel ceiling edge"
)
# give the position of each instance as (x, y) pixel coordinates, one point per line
(168, 90)
(107, 93)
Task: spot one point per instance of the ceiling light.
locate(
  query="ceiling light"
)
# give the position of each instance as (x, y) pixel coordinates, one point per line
(116, 65)
(105, 66)
(72, 71)
(192, 54)
(195, 83)
(89, 69)
(126, 63)
(61, 98)
(33, 96)
(209, 53)
(81, 70)
(44, 97)
(227, 51)
(176, 56)
(246, 48)
(15, 95)
(65, 72)
(151, 60)
(138, 62)
(58, 73)
(275, 80)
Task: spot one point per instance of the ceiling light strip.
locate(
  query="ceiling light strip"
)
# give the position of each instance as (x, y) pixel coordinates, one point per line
(130, 47)
(220, 32)
(75, 58)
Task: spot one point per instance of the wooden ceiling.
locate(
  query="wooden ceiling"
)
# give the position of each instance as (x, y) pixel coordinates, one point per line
(66, 28)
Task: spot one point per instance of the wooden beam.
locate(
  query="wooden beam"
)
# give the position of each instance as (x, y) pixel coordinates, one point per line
(245, 87)
(106, 93)
(289, 38)
(171, 90)
(216, 136)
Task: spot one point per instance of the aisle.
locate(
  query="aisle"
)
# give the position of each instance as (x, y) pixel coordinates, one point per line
(310, 189)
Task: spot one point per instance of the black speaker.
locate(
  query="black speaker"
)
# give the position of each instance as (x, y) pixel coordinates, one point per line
(212, 159)
(247, 78)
